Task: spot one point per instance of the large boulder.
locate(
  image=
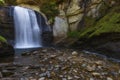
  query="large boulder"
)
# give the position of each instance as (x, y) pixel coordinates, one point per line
(60, 29)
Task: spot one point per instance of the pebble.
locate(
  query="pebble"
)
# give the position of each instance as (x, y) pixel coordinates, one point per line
(61, 76)
(89, 68)
(95, 74)
(44, 50)
(35, 52)
(64, 79)
(99, 62)
(91, 79)
(108, 78)
(23, 79)
(42, 78)
(75, 71)
(119, 71)
(43, 69)
(74, 53)
(84, 65)
(52, 56)
(77, 77)
(42, 74)
(65, 67)
(32, 79)
(11, 68)
(25, 68)
(25, 54)
(70, 78)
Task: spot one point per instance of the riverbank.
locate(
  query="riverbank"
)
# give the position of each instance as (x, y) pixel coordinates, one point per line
(59, 64)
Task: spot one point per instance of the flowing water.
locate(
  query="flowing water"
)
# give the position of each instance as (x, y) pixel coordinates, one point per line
(27, 30)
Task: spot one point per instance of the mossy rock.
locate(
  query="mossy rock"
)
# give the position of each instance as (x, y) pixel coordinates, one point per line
(6, 49)
(2, 39)
(108, 24)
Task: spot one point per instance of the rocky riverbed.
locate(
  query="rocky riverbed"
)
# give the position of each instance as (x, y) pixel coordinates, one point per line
(59, 64)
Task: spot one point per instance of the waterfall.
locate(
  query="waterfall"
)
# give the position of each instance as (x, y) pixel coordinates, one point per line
(27, 30)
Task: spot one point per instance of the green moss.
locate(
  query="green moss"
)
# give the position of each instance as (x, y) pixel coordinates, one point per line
(108, 24)
(74, 34)
(2, 2)
(50, 10)
(2, 39)
(89, 21)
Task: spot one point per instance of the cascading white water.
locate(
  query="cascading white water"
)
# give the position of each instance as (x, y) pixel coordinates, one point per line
(27, 30)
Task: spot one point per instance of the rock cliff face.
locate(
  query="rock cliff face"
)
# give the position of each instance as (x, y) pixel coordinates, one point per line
(31, 4)
(6, 23)
(98, 22)
(77, 10)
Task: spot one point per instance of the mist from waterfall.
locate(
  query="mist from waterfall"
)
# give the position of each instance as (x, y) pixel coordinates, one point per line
(27, 30)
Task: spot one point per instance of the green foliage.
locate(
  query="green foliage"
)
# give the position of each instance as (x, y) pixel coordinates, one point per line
(50, 9)
(89, 21)
(2, 2)
(74, 34)
(10, 2)
(7, 2)
(2, 39)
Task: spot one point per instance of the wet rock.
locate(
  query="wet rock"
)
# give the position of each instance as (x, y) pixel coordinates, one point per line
(7, 73)
(25, 68)
(25, 54)
(34, 67)
(17, 65)
(35, 52)
(11, 68)
(74, 53)
(44, 51)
